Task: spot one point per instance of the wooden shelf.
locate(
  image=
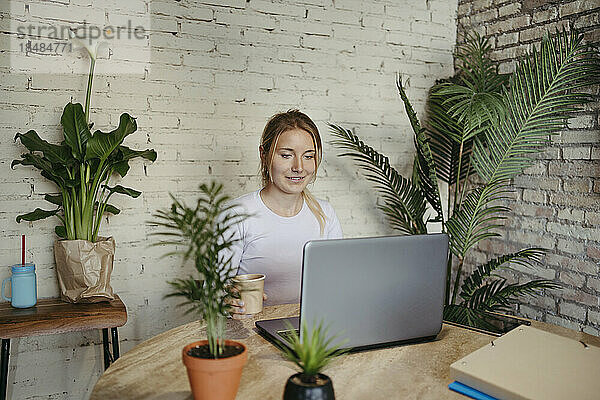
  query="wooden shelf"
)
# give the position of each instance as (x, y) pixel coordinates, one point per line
(52, 316)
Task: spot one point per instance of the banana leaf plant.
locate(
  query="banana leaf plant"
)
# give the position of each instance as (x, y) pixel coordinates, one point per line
(81, 166)
(481, 130)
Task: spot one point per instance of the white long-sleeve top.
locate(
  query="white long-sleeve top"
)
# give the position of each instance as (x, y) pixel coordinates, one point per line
(272, 245)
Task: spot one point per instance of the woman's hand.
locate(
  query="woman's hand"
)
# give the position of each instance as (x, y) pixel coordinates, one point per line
(238, 310)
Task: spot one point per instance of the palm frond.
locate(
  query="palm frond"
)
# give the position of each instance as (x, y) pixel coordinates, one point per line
(497, 296)
(523, 257)
(541, 95)
(206, 233)
(476, 98)
(475, 220)
(424, 163)
(445, 137)
(404, 203)
(459, 314)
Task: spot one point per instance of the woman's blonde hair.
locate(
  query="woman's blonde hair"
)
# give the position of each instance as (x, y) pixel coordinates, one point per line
(278, 124)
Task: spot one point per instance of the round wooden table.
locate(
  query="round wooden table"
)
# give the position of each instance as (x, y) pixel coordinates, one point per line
(153, 369)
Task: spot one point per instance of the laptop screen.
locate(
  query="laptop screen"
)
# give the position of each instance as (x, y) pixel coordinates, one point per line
(375, 290)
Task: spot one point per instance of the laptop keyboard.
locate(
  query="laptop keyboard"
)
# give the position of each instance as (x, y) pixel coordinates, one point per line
(288, 334)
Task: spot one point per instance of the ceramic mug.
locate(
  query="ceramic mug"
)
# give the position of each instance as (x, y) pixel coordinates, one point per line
(251, 287)
(23, 286)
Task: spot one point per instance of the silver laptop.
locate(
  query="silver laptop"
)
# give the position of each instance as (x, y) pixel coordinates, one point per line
(374, 292)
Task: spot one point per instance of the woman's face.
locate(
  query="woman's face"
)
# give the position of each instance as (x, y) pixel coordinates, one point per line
(293, 165)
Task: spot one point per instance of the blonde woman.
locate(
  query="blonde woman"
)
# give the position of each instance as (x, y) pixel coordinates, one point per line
(284, 214)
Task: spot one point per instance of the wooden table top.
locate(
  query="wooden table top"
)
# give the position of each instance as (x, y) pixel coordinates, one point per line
(51, 316)
(153, 370)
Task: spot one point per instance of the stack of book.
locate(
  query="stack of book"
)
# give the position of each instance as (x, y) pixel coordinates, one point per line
(528, 363)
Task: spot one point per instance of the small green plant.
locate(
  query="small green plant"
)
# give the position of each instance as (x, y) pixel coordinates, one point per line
(313, 352)
(205, 234)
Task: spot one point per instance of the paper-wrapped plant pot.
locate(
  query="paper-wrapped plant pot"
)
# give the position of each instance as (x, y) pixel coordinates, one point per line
(83, 269)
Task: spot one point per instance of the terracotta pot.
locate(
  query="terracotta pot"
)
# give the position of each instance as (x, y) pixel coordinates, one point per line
(295, 389)
(83, 269)
(214, 379)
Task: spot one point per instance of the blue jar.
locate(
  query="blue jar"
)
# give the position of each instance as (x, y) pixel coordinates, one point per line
(23, 286)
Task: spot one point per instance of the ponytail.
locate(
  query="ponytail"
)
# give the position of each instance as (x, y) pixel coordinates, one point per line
(316, 209)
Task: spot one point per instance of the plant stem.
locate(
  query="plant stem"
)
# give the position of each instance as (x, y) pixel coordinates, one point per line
(76, 215)
(213, 332)
(82, 205)
(466, 181)
(101, 207)
(457, 279)
(68, 221)
(88, 95)
(457, 185)
(99, 177)
(85, 229)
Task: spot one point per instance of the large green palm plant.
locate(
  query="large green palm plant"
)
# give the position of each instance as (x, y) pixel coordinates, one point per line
(482, 129)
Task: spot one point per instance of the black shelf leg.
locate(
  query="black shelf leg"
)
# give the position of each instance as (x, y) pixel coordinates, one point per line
(4, 367)
(106, 349)
(115, 343)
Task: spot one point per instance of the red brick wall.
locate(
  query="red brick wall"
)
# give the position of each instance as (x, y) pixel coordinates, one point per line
(557, 200)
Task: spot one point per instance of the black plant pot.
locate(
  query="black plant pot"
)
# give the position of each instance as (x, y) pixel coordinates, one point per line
(296, 389)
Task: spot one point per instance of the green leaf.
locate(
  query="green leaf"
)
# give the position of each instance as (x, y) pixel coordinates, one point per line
(542, 94)
(497, 296)
(404, 203)
(34, 160)
(121, 166)
(59, 154)
(314, 352)
(128, 153)
(445, 136)
(477, 278)
(75, 129)
(476, 98)
(54, 172)
(109, 208)
(475, 220)
(462, 315)
(202, 233)
(37, 214)
(424, 163)
(101, 145)
(112, 209)
(54, 199)
(122, 190)
(60, 231)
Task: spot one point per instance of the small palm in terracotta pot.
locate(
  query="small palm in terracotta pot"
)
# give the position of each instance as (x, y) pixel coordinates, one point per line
(214, 366)
(311, 355)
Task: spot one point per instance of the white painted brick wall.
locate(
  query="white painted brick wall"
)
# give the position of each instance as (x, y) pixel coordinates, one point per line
(217, 71)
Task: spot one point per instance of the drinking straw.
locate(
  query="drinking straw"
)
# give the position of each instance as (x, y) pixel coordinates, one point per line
(23, 249)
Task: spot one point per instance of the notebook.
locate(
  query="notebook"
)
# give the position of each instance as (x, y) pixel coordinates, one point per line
(528, 363)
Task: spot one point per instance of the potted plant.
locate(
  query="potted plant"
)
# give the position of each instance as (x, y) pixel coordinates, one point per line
(81, 166)
(482, 129)
(214, 366)
(311, 355)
